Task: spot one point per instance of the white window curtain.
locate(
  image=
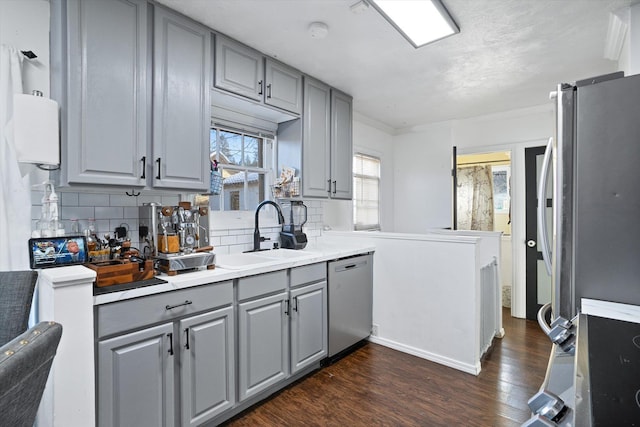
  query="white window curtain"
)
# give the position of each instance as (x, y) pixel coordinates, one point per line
(366, 192)
(15, 190)
(475, 198)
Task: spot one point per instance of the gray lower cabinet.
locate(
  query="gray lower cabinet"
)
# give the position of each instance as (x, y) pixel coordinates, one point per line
(263, 343)
(280, 331)
(207, 369)
(136, 379)
(308, 325)
(179, 371)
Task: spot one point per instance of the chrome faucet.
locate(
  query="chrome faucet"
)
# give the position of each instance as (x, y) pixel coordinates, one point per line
(256, 233)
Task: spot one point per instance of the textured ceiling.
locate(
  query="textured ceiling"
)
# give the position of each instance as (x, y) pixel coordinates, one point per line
(509, 53)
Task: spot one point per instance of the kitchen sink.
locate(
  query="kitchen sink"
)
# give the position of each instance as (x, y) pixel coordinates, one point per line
(238, 261)
(282, 254)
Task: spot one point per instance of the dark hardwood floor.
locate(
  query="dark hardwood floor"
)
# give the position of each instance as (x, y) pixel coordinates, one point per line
(377, 386)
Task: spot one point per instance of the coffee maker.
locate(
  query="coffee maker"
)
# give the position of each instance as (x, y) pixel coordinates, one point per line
(295, 214)
(176, 237)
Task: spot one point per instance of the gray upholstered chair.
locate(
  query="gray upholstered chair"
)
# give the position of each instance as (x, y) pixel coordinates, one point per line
(25, 362)
(16, 293)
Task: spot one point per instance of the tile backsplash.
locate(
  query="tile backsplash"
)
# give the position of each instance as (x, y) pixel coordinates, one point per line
(241, 239)
(111, 210)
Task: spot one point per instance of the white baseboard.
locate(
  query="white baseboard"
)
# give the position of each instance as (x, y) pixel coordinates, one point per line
(442, 360)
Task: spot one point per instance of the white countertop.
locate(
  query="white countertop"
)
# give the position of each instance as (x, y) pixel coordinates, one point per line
(228, 268)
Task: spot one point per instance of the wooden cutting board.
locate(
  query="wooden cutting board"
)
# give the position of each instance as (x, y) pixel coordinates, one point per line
(116, 272)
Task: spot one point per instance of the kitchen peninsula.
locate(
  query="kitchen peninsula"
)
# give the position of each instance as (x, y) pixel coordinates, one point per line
(66, 295)
(438, 304)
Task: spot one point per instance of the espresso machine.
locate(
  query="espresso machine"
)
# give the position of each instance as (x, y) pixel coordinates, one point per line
(295, 214)
(176, 237)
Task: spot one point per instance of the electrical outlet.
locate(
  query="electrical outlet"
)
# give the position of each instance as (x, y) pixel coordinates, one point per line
(374, 330)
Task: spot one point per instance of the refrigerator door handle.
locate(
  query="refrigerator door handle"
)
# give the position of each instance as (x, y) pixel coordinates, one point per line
(542, 204)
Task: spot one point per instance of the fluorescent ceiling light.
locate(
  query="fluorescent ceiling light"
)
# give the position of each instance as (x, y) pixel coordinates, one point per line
(419, 21)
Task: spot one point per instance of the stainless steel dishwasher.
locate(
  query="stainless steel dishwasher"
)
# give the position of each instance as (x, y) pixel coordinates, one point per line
(350, 301)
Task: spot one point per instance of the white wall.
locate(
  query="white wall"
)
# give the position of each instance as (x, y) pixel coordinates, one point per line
(423, 183)
(423, 157)
(24, 24)
(422, 179)
(629, 59)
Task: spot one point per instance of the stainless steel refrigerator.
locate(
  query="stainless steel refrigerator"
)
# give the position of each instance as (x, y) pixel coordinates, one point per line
(593, 372)
(596, 193)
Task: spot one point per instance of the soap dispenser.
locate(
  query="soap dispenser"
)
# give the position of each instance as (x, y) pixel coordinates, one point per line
(55, 226)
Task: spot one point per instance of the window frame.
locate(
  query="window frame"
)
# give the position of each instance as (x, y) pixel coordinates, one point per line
(268, 165)
(378, 179)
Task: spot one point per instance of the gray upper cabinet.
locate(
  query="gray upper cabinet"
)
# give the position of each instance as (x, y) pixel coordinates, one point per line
(104, 74)
(341, 146)
(320, 144)
(105, 122)
(239, 69)
(207, 370)
(181, 102)
(246, 72)
(283, 86)
(316, 137)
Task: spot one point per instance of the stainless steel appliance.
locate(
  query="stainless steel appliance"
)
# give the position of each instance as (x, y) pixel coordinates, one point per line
(176, 237)
(291, 236)
(350, 302)
(594, 255)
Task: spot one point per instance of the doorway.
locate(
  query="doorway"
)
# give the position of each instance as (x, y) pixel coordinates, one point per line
(482, 201)
(538, 280)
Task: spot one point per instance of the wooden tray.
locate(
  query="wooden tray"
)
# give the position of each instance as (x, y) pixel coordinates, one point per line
(116, 272)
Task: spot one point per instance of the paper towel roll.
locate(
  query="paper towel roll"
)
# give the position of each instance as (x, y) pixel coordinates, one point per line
(36, 129)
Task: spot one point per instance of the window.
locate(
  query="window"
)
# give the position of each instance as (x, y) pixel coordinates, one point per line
(244, 163)
(366, 192)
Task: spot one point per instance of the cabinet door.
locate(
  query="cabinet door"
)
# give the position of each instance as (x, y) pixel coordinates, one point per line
(106, 106)
(283, 87)
(316, 139)
(308, 325)
(181, 106)
(264, 343)
(239, 69)
(135, 379)
(207, 369)
(341, 146)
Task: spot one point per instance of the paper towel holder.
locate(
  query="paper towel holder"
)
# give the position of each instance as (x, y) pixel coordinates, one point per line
(37, 130)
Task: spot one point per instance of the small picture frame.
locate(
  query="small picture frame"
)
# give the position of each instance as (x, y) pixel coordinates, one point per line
(45, 252)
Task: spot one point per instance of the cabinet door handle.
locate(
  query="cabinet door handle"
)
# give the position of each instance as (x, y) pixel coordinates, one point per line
(260, 84)
(335, 187)
(170, 307)
(170, 336)
(329, 183)
(186, 333)
(269, 90)
(159, 162)
(295, 304)
(286, 307)
(144, 167)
